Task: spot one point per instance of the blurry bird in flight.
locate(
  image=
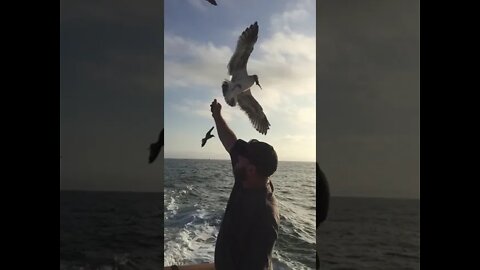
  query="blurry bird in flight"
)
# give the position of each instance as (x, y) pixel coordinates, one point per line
(212, 2)
(207, 136)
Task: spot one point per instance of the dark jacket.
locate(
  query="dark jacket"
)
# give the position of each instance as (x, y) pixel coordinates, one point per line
(249, 228)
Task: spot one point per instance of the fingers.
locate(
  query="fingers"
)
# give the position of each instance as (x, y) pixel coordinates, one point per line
(214, 102)
(215, 107)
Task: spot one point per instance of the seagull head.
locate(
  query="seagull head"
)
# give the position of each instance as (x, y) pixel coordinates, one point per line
(255, 77)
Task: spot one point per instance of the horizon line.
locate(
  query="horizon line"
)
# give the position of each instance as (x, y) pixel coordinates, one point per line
(229, 159)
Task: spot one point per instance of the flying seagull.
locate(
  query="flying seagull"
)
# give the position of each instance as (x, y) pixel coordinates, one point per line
(207, 136)
(238, 88)
(212, 2)
(155, 148)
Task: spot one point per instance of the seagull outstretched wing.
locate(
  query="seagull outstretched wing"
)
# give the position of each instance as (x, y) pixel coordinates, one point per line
(212, 2)
(209, 133)
(254, 111)
(237, 66)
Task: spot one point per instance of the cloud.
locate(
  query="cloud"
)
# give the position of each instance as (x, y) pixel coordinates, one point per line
(295, 147)
(189, 106)
(199, 4)
(284, 20)
(305, 116)
(284, 62)
(296, 137)
(284, 119)
(190, 64)
(284, 70)
(283, 47)
(299, 16)
(201, 109)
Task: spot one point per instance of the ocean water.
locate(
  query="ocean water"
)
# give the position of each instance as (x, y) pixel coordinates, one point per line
(370, 233)
(111, 230)
(115, 230)
(195, 196)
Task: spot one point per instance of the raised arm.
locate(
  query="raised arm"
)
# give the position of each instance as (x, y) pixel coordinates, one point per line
(226, 135)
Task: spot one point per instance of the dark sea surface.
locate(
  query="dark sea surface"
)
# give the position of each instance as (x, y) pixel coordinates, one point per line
(370, 233)
(111, 230)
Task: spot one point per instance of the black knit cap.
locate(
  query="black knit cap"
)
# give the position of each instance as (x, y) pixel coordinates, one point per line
(262, 155)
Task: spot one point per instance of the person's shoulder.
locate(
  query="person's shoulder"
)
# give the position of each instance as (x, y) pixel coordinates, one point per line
(270, 197)
(271, 209)
(234, 151)
(235, 146)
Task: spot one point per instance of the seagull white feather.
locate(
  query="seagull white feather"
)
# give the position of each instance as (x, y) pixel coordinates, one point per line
(238, 88)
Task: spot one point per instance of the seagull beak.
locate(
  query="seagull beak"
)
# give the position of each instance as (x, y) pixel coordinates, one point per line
(258, 84)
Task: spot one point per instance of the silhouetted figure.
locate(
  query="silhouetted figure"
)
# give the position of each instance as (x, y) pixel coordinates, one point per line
(155, 148)
(212, 2)
(249, 228)
(207, 136)
(323, 199)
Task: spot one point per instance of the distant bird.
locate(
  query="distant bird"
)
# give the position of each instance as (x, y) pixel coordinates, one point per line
(155, 148)
(207, 136)
(212, 2)
(238, 88)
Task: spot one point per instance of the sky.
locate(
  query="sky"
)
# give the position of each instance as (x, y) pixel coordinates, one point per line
(368, 97)
(200, 39)
(366, 106)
